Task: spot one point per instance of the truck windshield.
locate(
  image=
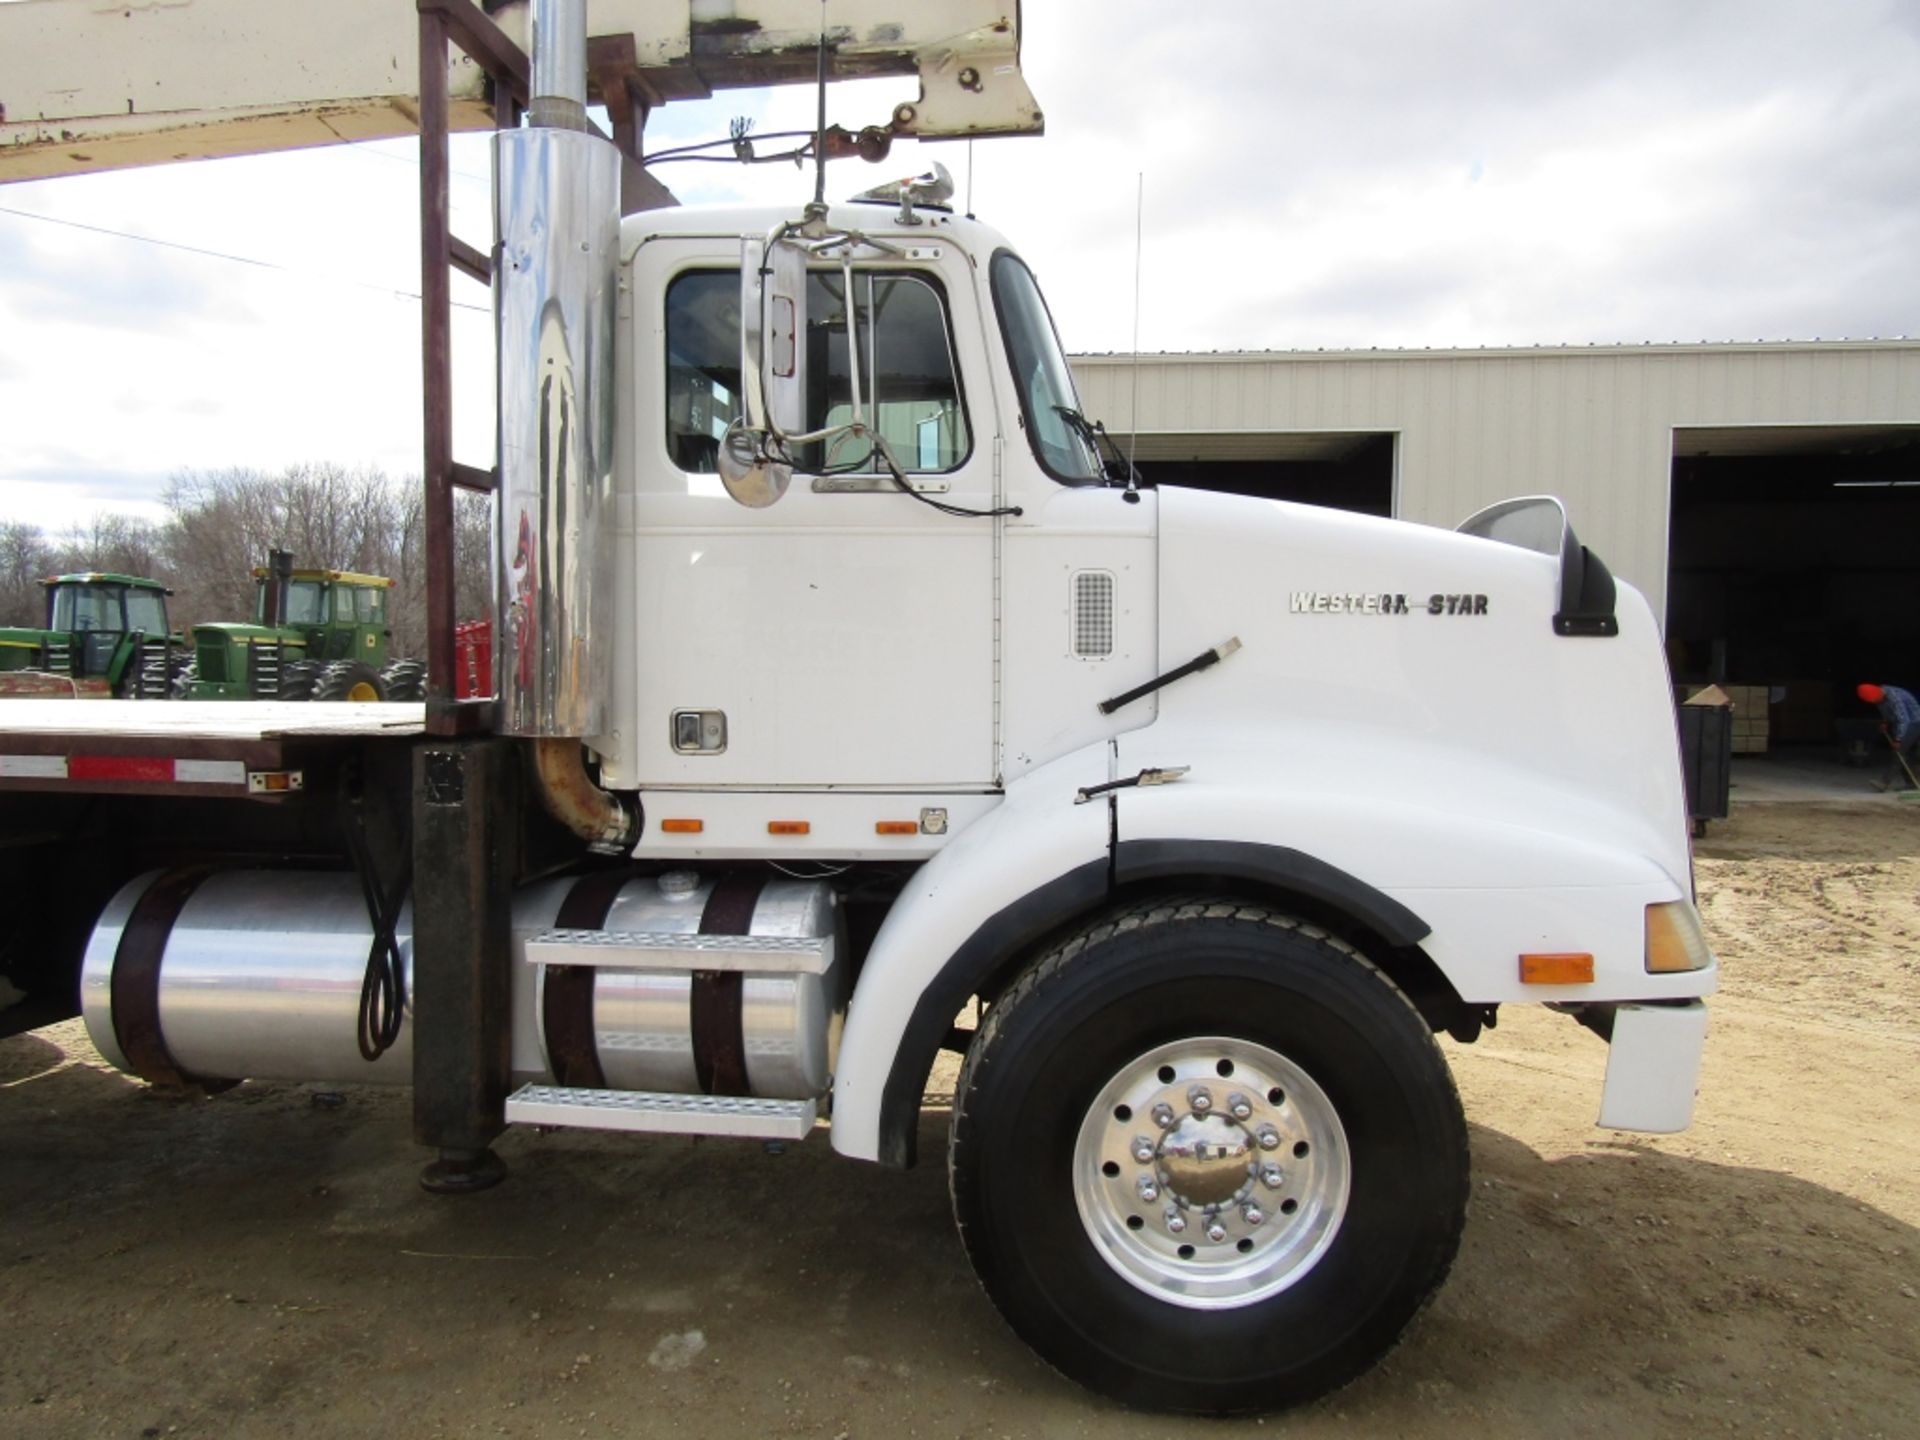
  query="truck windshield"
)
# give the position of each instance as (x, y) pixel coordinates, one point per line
(1047, 398)
(86, 607)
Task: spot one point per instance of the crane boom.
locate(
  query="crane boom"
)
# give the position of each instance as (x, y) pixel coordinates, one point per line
(89, 86)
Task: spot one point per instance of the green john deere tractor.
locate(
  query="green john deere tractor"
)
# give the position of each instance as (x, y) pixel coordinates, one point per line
(315, 635)
(105, 635)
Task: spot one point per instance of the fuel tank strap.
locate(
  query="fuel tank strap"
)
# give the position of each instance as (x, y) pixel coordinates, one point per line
(567, 1003)
(719, 1041)
(136, 980)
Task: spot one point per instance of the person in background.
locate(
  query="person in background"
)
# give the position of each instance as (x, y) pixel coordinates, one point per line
(1900, 721)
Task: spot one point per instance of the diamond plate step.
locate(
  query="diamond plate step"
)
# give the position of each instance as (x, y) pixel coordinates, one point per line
(654, 1114)
(643, 950)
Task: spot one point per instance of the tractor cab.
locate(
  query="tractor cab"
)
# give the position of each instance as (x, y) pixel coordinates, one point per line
(315, 635)
(109, 630)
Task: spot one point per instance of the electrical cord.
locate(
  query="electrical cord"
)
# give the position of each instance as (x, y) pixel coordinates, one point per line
(383, 989)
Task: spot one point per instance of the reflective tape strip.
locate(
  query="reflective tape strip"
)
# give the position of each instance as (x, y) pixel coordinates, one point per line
(145, 768)
(211, 772)
(33, 767)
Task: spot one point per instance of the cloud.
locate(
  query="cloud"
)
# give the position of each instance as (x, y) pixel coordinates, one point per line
(1316, 174)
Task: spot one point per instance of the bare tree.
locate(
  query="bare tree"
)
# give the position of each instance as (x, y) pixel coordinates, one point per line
(223, 523)
(25, 560)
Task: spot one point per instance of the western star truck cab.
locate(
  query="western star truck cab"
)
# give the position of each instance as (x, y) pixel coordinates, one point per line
(851, 708)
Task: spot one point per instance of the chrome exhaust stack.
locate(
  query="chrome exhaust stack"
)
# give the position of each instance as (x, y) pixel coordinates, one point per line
(557, 215)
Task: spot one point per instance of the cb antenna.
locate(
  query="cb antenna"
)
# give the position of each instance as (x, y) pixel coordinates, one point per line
(1133, 408)
(820, 126)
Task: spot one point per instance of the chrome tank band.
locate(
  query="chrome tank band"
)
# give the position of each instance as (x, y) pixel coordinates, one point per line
(259, 978)
(643, 1019)
(557, 213)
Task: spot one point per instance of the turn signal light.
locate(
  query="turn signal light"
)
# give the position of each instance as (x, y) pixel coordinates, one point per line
(1556, 969)
(1674, 939)
(896, 827)
(683, 827)
(789, 827)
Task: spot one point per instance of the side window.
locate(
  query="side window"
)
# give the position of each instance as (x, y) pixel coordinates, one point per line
(146, 611)
(906, 357)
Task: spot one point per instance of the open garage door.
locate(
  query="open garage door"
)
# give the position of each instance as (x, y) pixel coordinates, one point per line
(1794, 563)
(1347, 470)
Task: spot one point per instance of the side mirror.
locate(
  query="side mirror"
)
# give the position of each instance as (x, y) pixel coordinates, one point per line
(773, 384)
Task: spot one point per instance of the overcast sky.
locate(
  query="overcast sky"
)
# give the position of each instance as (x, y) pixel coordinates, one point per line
(1340, 173)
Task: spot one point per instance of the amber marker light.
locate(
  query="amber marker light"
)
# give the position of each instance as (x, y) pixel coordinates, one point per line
(896, 827)
(682, 827)
(789, 827)
(1556, 969)
(1675, 943)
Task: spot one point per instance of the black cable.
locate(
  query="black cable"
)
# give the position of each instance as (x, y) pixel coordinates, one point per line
(383, 989)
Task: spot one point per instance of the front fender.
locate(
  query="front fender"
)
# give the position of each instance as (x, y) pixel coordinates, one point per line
(1000, 886)
(1492, 868)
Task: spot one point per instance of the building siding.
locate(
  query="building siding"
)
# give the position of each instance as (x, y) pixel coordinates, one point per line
(1594, 426)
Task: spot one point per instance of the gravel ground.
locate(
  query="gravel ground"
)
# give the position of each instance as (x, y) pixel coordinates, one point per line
(263, 1264)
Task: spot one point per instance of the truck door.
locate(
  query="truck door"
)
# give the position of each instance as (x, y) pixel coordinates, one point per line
(843, 636)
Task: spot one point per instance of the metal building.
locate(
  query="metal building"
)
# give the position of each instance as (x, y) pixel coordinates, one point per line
(1765, 497)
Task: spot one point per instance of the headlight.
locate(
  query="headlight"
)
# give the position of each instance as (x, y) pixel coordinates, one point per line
(1675, 941)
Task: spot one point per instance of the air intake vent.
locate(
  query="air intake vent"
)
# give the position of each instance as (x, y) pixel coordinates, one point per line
(1092, 614)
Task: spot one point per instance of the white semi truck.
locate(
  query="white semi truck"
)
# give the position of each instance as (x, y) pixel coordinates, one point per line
(845, 690)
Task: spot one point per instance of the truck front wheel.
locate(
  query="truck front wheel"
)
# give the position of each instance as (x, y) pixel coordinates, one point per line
(1207, 1158)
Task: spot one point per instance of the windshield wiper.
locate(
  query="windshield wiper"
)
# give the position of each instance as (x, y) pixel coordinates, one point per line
(1116, 470)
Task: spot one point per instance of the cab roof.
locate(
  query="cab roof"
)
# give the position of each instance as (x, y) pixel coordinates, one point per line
(346, 577)
(106, 577)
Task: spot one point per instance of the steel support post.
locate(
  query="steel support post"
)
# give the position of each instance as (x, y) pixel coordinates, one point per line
(465, 825)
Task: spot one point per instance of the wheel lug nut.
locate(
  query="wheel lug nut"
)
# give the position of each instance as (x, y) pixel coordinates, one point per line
(1253, 1214)
(1176, 1222)
(1143, 1148)
(1149, 1191)
(1199, 1099)
(1163, 1116)
(1271, 1177)
(1239, 1106)
(1216, 1232)
(1269, 1138)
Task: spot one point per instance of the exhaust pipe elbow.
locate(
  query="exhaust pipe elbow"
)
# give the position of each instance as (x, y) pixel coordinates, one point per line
(607, 825)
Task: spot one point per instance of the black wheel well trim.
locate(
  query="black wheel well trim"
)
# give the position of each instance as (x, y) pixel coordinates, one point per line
(1012, 936)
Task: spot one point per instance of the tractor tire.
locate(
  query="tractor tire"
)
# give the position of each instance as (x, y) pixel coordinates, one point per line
(181, 686)
(349, 680)
(298, 679)
(405, 680)
(1207, 1158)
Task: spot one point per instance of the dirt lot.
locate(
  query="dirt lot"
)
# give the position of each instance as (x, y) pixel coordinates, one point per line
(263, 1264)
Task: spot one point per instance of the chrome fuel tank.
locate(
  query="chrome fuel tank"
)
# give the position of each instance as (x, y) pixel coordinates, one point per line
(252, 974)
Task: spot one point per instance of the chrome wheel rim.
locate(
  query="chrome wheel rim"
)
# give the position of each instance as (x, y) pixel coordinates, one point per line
(1211, 1172)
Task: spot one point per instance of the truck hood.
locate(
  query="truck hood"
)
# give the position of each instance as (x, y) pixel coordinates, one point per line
(1380, 657)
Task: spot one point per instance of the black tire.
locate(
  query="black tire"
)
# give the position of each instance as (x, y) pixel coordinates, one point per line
(349, 680)
(1199, 975)
(298, 678)
(406, 680)
(181, 686)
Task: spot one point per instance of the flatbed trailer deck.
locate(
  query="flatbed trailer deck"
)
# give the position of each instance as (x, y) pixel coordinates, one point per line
(260, 749)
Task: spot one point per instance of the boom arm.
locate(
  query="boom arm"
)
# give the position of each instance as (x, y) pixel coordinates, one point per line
(86, 86)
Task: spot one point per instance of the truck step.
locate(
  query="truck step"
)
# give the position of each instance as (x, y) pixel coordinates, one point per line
(645, 1112)
(643, 950)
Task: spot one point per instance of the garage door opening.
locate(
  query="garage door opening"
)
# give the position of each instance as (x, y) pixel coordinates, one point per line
(1345, 471)
(1793, 565)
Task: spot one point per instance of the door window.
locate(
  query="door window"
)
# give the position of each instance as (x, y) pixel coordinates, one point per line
(906, 361)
